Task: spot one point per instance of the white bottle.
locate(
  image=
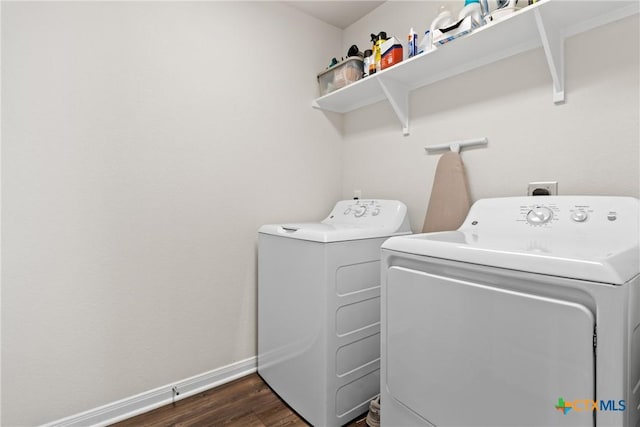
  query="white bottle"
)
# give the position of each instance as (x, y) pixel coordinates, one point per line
(425, 44)
(473, 9)
(443, 20)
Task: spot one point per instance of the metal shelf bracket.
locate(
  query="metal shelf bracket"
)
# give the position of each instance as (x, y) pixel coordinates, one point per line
(553, 44)
(398, 96)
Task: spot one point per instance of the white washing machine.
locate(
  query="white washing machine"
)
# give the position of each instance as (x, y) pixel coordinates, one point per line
(527, 315)
(319, 308)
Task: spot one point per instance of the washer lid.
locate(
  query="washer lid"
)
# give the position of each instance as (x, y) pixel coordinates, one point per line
(325, 233)
(581, 237)
(349, 220)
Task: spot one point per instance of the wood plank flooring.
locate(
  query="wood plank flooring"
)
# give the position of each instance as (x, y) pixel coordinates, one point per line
(247, 401)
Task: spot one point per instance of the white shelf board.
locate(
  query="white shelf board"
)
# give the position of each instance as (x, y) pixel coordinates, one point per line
(517, 33)
(363, 92)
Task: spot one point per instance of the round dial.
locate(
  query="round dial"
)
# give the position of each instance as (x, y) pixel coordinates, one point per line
(539, 215)
(579, 216)
(360, 210)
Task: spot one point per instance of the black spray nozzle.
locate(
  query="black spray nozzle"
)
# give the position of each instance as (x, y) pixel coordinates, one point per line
(382, 35)
(354, 51)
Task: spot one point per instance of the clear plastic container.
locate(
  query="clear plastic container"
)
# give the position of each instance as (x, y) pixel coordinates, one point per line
(340, 75)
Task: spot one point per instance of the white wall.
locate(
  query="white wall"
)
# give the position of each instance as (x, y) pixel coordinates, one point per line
(143, 143)
(590, 145)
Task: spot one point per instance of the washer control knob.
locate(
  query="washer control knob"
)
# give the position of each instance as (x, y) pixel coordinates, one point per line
(579, 216)
(376, 212)
(539, 215)
(360, 211)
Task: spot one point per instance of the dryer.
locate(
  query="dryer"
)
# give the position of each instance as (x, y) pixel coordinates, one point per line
(528, 314)
(319, 308)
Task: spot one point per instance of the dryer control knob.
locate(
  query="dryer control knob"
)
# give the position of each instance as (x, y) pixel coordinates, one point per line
(579, 216)
(539, 215)
(360, 211)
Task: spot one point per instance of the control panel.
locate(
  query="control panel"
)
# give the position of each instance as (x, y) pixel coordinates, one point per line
(546, 214)
(367, 212)
(557, 212)
(361, 208)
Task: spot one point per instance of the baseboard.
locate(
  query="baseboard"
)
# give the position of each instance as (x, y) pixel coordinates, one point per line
(152, 399)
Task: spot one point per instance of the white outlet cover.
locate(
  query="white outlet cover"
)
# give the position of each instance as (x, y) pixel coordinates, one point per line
(550, 186)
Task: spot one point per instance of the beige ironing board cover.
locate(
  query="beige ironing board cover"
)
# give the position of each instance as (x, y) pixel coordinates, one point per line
(450, 200)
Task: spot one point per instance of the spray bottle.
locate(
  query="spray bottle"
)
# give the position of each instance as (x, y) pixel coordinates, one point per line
(375, 54)
(380, 38)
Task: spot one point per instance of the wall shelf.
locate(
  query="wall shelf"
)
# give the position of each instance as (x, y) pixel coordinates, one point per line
(546, 23)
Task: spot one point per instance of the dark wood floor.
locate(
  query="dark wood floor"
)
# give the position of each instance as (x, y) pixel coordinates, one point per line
(247, 401)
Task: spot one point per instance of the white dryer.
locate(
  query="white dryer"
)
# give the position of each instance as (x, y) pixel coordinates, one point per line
(527, 315)
(319, 308)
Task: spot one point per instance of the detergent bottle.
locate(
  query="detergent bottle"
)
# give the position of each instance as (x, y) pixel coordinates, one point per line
(473, 9)
(443, 20)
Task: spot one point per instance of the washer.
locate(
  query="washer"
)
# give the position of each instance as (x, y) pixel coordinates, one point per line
(319, 308)
(528, 314)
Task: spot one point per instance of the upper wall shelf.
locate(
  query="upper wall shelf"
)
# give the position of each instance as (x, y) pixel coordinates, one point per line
(546, 23)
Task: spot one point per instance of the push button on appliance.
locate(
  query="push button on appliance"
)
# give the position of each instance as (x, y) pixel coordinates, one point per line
(579, 216)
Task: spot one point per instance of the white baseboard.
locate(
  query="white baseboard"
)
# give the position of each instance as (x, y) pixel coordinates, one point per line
(152, 399)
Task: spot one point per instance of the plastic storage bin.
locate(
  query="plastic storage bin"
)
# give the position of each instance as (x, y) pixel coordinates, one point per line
(340, 75)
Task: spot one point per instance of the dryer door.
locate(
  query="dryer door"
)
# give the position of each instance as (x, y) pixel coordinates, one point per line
(461, 353)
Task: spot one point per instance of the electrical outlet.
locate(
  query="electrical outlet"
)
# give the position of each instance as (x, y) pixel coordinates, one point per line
(549, 188)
